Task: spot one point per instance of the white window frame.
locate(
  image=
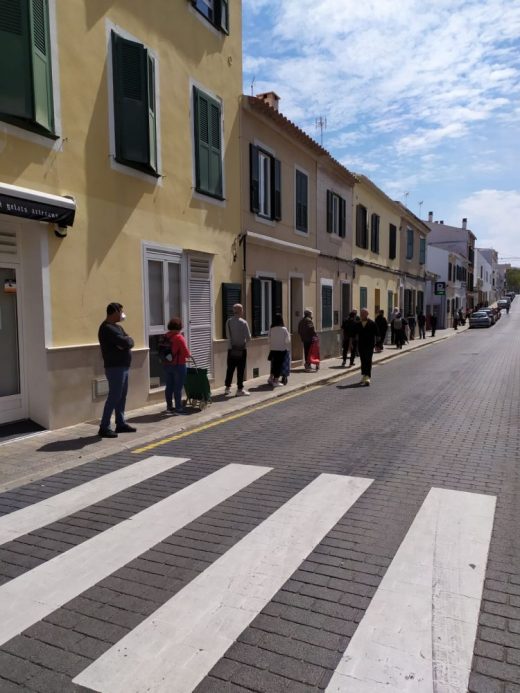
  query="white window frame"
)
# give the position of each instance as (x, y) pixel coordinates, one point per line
(164, 254)
(327, 282)
(116, 165)
(266, 311)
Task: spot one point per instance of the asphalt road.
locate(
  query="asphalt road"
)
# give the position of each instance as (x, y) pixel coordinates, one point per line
(320, 559)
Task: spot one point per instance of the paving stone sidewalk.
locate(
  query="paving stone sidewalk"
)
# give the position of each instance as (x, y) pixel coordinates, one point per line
(33, 457)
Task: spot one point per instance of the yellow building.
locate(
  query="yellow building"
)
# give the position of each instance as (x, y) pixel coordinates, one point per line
(376, 249)
(125, 114)
(414, 239)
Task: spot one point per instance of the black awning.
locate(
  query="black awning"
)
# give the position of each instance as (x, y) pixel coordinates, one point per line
(36, 205)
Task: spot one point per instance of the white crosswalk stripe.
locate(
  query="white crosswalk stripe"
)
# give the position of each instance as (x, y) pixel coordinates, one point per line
(30, 597)
(193, 630)
(55, 508)
(418, 632)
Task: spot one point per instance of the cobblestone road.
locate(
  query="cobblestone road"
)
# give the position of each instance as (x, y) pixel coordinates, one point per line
(444, 417)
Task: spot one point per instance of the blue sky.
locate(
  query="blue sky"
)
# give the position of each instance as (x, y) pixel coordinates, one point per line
(423, 98)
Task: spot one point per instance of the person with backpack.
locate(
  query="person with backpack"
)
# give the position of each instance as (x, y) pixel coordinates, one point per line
(174, 352)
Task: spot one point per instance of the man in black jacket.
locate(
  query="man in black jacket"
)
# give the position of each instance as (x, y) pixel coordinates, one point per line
(367, 335)
(349, 329)
(115, 348)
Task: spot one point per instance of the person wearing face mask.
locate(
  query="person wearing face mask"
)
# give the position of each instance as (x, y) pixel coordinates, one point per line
(116, 348)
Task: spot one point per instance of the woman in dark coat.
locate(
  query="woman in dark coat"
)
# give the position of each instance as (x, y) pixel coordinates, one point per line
(382, 327)
(367, 336)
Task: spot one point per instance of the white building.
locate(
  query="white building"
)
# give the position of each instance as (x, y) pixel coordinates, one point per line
(450, 268)
(484, 278)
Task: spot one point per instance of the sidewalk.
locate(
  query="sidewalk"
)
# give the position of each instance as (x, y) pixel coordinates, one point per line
(33, 457)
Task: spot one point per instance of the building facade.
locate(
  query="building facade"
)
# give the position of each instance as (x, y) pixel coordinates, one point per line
(450, 268)
(414, 243)
(119, 181)
(483, 279)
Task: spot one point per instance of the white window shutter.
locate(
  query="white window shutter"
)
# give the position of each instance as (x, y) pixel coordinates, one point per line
(200, 328)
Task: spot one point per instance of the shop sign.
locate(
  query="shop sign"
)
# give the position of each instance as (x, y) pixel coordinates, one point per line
(38, 211)
(440, 288)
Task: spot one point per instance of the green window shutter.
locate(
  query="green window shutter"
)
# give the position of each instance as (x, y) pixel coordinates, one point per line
(301, 202)
(254, 179)
(276, 301)
(256, 306)
(361, 227)
(392, 251)
(342, 217)
(41, 64)
(276, 189)
(329, 211)
(326, 306)
(152, 116)
(374, 233)
(208, 145)
(222, 15)
(16, 98)
(231, 294)
(363, 297)
(131, 115)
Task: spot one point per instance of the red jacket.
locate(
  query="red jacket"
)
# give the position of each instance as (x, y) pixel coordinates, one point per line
(179, 348)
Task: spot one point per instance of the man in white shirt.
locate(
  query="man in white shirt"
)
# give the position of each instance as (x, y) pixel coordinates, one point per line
(238, 335)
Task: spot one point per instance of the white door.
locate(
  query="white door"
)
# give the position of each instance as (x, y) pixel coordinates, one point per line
(200, 311)
(12, 396)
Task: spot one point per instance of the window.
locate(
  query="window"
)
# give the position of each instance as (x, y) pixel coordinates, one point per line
(361, 227)
(345, 300)
(266, 299)
(363, 297)
(408, 302)
(326, 304)
(392, 246)
(422, 251)
(302, 184)
(374, 233)
(450, 271)
(215, 11)
(134, 105)
(336, 214)
(208, 145)
(26, 97)
(420, 301)
(266, 184)
(389, 303)
(409, 244)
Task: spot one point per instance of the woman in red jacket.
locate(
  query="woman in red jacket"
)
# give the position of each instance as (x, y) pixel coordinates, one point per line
(175, 367)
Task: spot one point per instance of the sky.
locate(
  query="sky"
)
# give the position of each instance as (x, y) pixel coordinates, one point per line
(421, 97)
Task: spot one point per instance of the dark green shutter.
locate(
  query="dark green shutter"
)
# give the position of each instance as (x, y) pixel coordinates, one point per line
(208, 144)
(329, 211)
(231, 294)
(301, 202)
(131, 115)
(256, 306)
(342, 217)
(254, 179)
(393, 242)
(326, 306)
(41, 64)
(152, 117)
(276, 301)
(222, 15)
(276, 189)
(360, 226)
(15, 60)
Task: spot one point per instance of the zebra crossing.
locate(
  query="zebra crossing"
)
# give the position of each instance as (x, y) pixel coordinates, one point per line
(416, 635)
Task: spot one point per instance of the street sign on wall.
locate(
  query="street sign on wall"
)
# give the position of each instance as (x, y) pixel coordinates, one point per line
(440, 288)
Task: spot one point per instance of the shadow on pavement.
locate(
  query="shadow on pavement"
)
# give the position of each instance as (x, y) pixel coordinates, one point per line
(70, 444)
(350, 387)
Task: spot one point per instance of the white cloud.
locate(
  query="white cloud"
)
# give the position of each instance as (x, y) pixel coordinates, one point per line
(494, 217)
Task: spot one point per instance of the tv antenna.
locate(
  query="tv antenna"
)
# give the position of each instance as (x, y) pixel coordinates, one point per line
(420, 208)
(321, 125)
(405, 195)
(253, 84)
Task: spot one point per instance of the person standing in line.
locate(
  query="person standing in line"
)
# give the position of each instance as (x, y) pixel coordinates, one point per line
(279, 344)
(307, 333)
(433, 323)
(455, 319)
(411, 326)
(382, 327)
(175, 367)
(398, 328)
(116, 348)
(391, 318)
(421, 322)
(238, 335)
(349, 330)
(367, 335)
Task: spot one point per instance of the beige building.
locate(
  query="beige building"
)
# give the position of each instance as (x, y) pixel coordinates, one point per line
(414, 242)
(126, 115)
(376, 249)
(296, 229)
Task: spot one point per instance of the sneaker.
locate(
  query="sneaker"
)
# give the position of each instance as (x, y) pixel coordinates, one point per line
(343, 364)
(243, 393)
(270, 380)
(367, 381)
(170, 411)
(107, 433)
(227, 391)
(275, 383)
(308, 370)
(125, 428)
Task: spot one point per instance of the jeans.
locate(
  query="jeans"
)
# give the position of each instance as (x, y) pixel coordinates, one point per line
(175, 378)
(240, 365)
(117, 377)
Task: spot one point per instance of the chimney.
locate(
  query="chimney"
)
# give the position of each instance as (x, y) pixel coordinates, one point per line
(271, 98)
(430, 216)
(464, 223)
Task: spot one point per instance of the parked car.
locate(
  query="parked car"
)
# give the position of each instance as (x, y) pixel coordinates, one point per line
(492, 314)
(480, 319)
(511, 295)
(503, 303)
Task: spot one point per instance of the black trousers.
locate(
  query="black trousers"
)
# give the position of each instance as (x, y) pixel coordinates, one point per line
(349, 344)
(422, 332)
(365, 355)
(238, 362)
(306, 349)
(277, 358)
